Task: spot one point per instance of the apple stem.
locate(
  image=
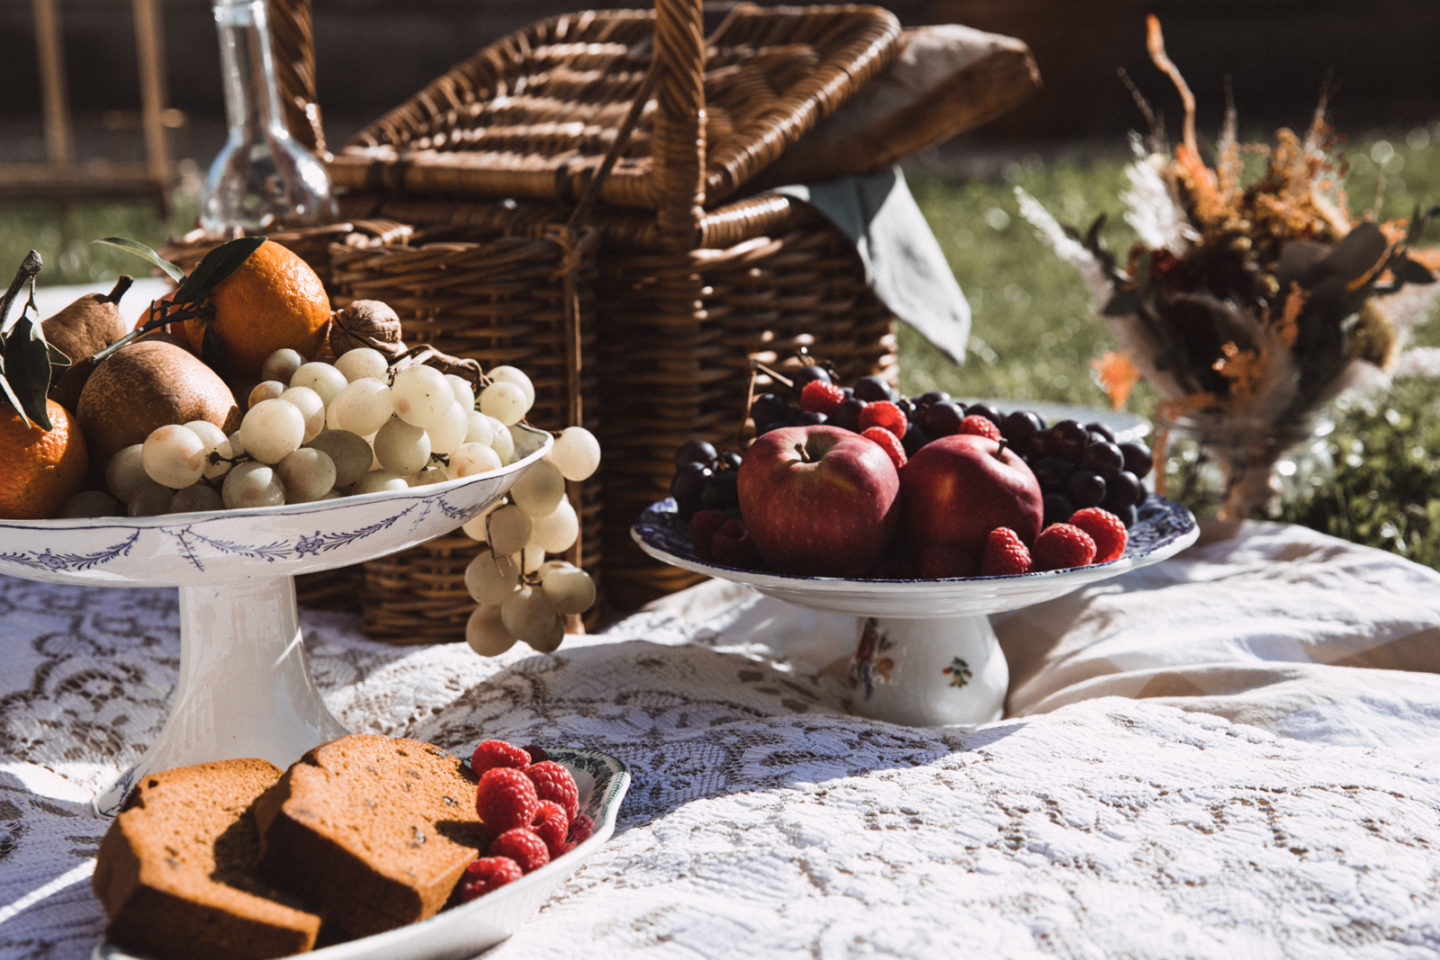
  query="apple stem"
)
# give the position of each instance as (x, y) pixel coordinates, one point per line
(1001, 444)
(804, 454)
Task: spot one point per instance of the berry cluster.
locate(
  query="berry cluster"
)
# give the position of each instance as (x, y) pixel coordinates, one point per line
(1078, 465)
(530, 806)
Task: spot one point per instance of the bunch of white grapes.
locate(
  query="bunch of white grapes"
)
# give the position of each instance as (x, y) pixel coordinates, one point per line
(318, 430)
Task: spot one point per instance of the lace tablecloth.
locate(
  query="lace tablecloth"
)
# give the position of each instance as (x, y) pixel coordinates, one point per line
(1231, 754)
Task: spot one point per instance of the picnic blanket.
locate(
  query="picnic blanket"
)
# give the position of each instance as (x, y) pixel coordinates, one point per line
(1229, 754)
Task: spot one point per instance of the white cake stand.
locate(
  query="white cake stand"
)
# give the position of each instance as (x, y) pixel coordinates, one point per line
(925, 653)
(244, 689)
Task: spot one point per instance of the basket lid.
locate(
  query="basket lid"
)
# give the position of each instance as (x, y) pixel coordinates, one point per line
(534, 114)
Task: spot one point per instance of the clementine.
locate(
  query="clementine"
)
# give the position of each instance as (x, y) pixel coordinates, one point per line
(274, 300)
(39, 469)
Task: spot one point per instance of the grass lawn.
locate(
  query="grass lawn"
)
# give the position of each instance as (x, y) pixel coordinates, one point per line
(1035, 329)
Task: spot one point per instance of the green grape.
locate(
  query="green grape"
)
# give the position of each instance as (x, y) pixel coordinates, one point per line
(569, 589)
(402, 447)
(323, 378)
(173, 455)
(490, 579)
(252, 484)
(486, 634)
(361, 363)
(540, 490)
(577, 453)
(308, 474)
(350, 454)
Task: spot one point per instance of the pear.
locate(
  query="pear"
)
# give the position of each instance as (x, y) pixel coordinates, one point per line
(82, 328)
(147, 384)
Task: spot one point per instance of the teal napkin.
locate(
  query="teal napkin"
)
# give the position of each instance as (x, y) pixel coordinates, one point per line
(903, 261)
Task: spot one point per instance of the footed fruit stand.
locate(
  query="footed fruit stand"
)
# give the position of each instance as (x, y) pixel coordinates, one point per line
(776, 661)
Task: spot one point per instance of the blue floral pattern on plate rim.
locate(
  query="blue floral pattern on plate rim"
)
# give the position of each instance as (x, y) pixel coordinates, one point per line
(1160, 524)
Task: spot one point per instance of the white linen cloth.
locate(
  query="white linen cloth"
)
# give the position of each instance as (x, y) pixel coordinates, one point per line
(1229, 754)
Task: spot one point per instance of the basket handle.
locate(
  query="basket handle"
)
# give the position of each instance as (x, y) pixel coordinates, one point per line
(679, 129)
(292, 45)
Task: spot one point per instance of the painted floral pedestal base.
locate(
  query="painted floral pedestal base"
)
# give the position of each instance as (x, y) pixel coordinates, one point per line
(925, 653)
(244, 688)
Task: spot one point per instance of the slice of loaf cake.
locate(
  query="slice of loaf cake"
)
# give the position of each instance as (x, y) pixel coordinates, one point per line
(371, 832)
(174, 869)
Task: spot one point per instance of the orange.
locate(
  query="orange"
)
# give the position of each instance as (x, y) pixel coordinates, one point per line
(39, 469)
(274, 300)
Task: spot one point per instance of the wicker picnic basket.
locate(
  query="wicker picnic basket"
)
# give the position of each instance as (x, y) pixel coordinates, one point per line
(611, 147)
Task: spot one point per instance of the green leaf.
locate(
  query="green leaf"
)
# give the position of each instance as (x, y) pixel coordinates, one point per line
(27, 370)
(145, 253)
(217, 265)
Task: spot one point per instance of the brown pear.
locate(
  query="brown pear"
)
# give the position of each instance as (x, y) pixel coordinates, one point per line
(147, 384)
(82, 328)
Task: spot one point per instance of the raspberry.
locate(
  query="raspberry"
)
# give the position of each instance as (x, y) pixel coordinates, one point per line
(940, 560)
(554, 782)
(523, 846)
(1106, 529)
(580, 830)
(506, 799)
(552, 826)
(485, 874)
(979, 426)
(818, 396)
(1061, 545)
(883, 413)
(731, 546)
(889, 443)
(702, 530)
(497, 753)
(1005, 554)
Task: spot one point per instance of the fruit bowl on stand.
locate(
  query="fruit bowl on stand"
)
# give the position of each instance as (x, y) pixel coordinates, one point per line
(244, 689)
(925, 653)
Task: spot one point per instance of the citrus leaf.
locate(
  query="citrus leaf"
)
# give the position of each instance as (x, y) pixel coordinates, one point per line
(145, 253)
(27, 370)
(217, 265)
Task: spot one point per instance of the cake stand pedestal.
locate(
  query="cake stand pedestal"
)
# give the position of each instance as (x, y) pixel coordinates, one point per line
(924, 652)
(244, 689)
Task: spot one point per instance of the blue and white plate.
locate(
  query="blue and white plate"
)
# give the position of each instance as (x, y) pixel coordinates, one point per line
(1162, 530)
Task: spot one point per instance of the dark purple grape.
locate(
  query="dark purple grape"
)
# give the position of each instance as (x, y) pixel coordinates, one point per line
(805, 374)
(931, 396)
(1138, 458)
(914, 439)
(942, 419)
(778, 425)
(812, 418)
(1100, 428)
(1058, 509)
(848, 391)
(1020, 427)
(1127, 514)
(1038, 448)
(1124, 489)
(1104, 458)
(769, 408)
(1068, 440)
(1086, 489)
(730, 459)
(873, 388)
(847, 415)
(688, 486)
(907, 407)
(983, 410)
(695, 451)
(1053, 472)
(721, 491)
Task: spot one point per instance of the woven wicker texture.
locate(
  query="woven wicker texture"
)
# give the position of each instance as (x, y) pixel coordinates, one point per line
(673, 301)
(534, 114)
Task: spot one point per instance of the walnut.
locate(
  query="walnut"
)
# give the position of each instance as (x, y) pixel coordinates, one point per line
(366, 323)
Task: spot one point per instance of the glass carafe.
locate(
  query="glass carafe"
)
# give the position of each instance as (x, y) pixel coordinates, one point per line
(262, 177)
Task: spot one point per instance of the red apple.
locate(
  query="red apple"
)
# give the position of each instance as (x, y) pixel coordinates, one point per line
(819, 501)
(957, 489)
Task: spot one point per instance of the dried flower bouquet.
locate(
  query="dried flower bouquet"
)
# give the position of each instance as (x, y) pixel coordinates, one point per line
(1248, 307)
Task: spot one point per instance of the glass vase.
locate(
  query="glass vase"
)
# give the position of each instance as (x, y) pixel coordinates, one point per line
(1235, 470)
(262, 177)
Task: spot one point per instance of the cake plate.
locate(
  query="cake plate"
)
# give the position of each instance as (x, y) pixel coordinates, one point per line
(244, 688)
(925, 652)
